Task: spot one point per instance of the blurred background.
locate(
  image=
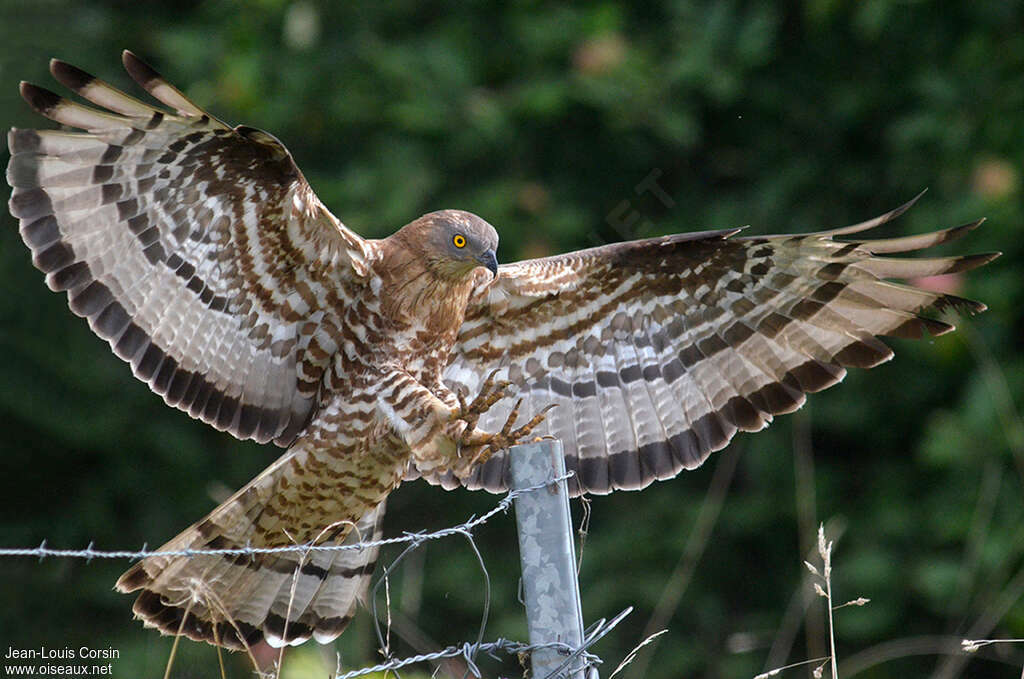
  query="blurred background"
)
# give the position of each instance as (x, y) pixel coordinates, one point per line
(544, 119)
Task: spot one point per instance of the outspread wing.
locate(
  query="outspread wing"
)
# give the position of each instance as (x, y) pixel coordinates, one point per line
(198, 251)
(658, 351)
(287, 597)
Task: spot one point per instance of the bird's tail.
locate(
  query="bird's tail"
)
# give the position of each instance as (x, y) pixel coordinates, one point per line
(234, 598)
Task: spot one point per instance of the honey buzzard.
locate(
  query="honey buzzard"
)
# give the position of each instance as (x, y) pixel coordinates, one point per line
(201, 254)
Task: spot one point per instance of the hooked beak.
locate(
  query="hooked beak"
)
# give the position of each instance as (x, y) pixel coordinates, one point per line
(488, 259)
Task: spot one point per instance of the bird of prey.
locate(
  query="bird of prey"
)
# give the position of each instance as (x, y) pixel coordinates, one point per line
(201, 254)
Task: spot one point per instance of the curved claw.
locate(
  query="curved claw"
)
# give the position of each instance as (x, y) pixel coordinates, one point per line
(525, 430)
(491, 391)
(507, 438)
(502, 440)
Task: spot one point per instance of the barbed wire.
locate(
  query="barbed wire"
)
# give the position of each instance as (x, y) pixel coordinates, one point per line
(467, 651)
(89, 553)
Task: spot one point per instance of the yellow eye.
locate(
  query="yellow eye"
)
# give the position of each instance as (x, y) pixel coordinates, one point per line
(459, 240)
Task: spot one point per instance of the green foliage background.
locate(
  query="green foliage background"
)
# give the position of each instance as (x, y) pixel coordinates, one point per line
(543, 118)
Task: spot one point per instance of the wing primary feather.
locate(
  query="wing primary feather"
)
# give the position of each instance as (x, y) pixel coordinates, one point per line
(61, 110)
(871, 223)
(99, 92)
(151, 81)
(595, 470)
(628, 469)
(920, 241)
(39, 98)
(893, 267)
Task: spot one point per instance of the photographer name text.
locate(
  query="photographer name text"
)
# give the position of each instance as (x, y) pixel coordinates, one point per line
(66, 653)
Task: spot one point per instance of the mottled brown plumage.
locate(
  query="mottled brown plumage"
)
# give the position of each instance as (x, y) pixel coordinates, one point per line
(203, 256)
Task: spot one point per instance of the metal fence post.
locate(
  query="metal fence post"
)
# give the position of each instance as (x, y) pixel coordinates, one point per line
(550, 587)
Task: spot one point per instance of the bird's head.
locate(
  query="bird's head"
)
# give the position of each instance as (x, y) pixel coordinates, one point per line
(454, 242)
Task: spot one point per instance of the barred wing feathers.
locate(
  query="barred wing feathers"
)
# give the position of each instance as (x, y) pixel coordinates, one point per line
(658, 351)
(198, 251)
(286, 597)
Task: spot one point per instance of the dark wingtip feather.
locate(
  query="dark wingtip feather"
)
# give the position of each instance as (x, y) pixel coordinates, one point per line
(133, 579)
(871, 223)
(920, 241)
(140, 71)
(958, 305)
(175, 620)
(332, 627)
(916, 327)
(39, 98)
(935, 327)
(906, 206)
(862, 354)
(30, 204)
(22, 141)
(960, 231)
(72, 77)
(968, 262)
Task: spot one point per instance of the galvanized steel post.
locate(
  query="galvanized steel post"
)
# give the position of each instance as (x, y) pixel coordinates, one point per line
(550, 587)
